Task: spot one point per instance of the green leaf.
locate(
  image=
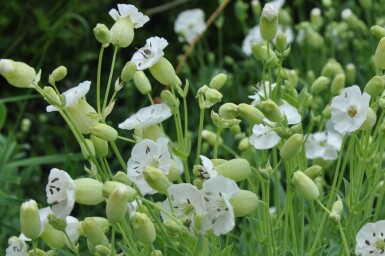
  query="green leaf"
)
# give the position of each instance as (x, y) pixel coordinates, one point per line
(3, 114)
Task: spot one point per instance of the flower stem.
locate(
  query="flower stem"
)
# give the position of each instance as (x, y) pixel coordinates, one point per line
(109, 80)
(201, 117)
(98, 79)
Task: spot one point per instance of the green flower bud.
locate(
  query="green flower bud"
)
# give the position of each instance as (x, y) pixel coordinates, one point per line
(337, 209)
(58, 224)
(104, 131)
(256, 8)
(36, 252)
(305, 185)
(122, 32)
(316, 18)
(269, 22)
(122, 177)
(378, 31)
(102, 34)
(144, 229)
(338, 84)
(156, 179)
(228, 111)
(213, 96)
(331, 68)
(164, 72)
(218, 81)
(94, 232)
(54, 238)
(198, 183)
(116, 206)
(370, 120)
(25, 125)
(327, 111)
(173, 228)
(156, 253)
(128, 73)
(320, 84)
(250, 113)
(375, 86)
(210, 137)
(313, 171)
(243, 144)
(102, 250)
(236, 169)
(244, 203)
(291, 147)
(100, 145)
(310, 76)
(17, 74)
(58, 74)
(88, 191)
(281, 42)
(260, 53)
(173, 173)
(271, 111)
(379, 56)
(170, 100)
(52, 95)
(29, 219)
(88, 152)
(82, 118)
(350, 73)
(152, 132)
(110, 186)
(141, 82)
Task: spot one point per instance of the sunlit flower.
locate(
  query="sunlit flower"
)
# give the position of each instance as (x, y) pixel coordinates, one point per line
(254, 36)
(187, 201)
(60, 193)
(348, 110)
(17, 247)
(189, 25)
(128, 10)
(217, 193)
(147, 117)
(148, 153)
(262, 92)
(149, 54)
(371, 239)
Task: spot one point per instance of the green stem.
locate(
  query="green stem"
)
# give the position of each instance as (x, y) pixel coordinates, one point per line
(127, 139)
(72, 245)
(118, 155)
(98, 79)
(113, 240)
(219, 130)
(343, 238)
(201, 117)
(109, 80)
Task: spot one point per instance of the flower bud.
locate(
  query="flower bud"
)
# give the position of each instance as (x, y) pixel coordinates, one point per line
(170, 100)
(100, 145)
(17, 73)
(58, 224)
(291, 147)
(144, 229)
(228, 111)
(331, 68)
(243, 144)
(305, 185)
(102, 250)
(128, 73)
(313, 171)
(337, 84)
(281, 42)
(116, 206)
(88, 191)
(210, 137)
(350, 70)
(271, 111)
(156, 253)
(316, 18)
(379, 56)
(110, 186)
(244, 202)
(269, 22)
(213, 96)
(89, 150)
(141, 82)
(218, 81)
(152, 132)
(36, 252)
(94, 232)
(378, 31)
(250, 113)
(236, 169)
(104, 131)
(122, 32)
(198, 183)
(260, 53)
(156, 179)
(174, 172)
(122, 178)
(30, 219)
(173, 228)
(82, 118)
(320, 84)
(58, 74)
(336, 211)
(54, 238)
(164, 72)
(102, 34)
(370, 120)
(375, 86)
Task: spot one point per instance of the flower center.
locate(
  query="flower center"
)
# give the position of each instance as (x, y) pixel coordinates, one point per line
(380, 245)
(352, 111)
(154, 163)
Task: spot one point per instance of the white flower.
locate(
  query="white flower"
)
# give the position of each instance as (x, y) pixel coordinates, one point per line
(187, 202)
(348, 110)
(269, 11)
(371, 239)
(132, 207)
(147, 116)
(254, 36)
(73, 96)
(128, 10)
(277, 3)
(72, 229)
(208, 168)
(149, 54)
(291, 113)
(217, 193)
(262, 92)
(346, 14)
(190, 24)
(148, 153)
(17, 247)
(60, 193)
(323, 145)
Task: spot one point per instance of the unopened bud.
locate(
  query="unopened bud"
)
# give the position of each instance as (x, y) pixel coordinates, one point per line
(52, 237)
(100, 145)
(313, 171)
(110, 186)
(243, 144)
(170, 100)
(122, 32)
(375, 86)
(320, 84)
(94, 232)
(104, 131)
(331, 68)
(102, 34)
(172, 227)
(316, 18)
(350, 73)
(30, 219)
(250, 113)
(378, 31)
(210, 137)
(379, 56)
(213, 96)
(174, 172)
(122, 177)
(244, 203)
(128, 72)
(156, 179)
(336, 211)
(337, 84)
(17, 73)
(88, 149)
(370, 120)
(116, 206)
(164, 72)
(58, 74)
(228, 111)
(218, 81)
(144, 229)
(281, 42)
(291, 147)
(269, 22)
(271, 111)
(305, 185)
(141, 82)
(102, 250)
(236, 169)
(88, 191)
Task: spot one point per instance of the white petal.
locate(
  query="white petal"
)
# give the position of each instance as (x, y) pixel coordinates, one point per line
(73, 95)
(291, 113)
(221, 184)
(263, 137)
(208, 166)
(72, 230)
(114, 14)
(51, 108)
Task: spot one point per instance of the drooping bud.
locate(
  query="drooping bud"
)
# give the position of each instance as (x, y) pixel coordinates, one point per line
(269, 22)
(378, 31)
(58, 74)
(116, 206)
(218, 81)
(291, 147)
(128, 73)
(30, 219)
(375, 86)
(102, 34)
(281, 42)
(54, 238)
(88, 191)
(156, 179)
(213, 96)
(336, 211)
(379, 56)
(104, 131)
(88, 149)
(370, 120)
(144, 229)
(337, 84)
(94, 232)
(236, 169)
(228, 111)
(170, 100)
(313, 171)
(305, 185)
(271, 111)
(164, 72)
(122, 178)
(244, 203)
(250, 113)
(110, 186)
(17, 73)
(350, 70)
(100, 145)
(320, 84)
(122, 32)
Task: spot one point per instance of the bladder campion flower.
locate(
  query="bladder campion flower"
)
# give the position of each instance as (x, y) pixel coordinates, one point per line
(148, 153)
(189, 24)
(262, 92)
(147, 117)
(348, 110)
(208, 170)
(371, 239)
(17, 247)
(128, 10)
(60, 193)
(149, 54)
(323, 145)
